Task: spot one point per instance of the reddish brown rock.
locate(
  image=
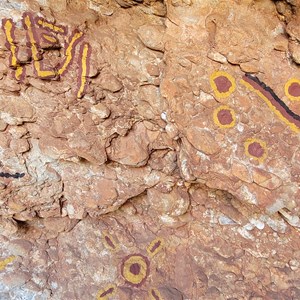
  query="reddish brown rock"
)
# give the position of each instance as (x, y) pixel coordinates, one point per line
(142, 160)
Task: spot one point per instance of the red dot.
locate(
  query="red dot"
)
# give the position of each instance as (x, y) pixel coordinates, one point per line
(294, 89)
(135, 269)
(225, 117)
(256, 150)
(223, 84)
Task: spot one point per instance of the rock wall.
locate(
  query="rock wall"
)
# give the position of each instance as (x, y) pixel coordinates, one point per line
(149, 149)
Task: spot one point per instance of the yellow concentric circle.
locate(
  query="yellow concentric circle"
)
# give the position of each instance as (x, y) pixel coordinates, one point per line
(262, 151)
(135, 269)
(293, 82)
(219, 122)
(226, 78)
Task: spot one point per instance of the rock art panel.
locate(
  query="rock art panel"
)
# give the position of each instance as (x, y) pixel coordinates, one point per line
(134, 268)
(41, 36)
(149, 149)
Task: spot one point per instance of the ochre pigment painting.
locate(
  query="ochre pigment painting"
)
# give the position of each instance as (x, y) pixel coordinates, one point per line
(149, 150)
(41, 36)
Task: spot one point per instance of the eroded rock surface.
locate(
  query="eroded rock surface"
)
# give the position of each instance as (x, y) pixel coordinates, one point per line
(149, 150)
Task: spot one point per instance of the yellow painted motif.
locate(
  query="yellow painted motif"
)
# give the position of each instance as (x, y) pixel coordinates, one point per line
(83, 74)
(262, 144)
(5, 262)
(48, 25)
(69, 54)
(35, 53)
(106, 293)
(286, 89)
(49, 38)
(106, 244)
(216, 119)
(129, 276)
(152, 244)
(157, 293)
(8, 27)
(271, 106)
(215, 88)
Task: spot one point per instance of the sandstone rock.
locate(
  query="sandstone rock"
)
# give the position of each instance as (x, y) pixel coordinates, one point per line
(20, 146)
(8, 226)
(20, 247)
(265, 179)
(202, 140)
(154, 165)
(152, 36)
(174, 203)
(110, 82)
(293, 29)
(295, 51)
(15, 111)
(101, 110)
(132, 149)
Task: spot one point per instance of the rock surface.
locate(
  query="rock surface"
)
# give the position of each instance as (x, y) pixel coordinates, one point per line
(149, 149)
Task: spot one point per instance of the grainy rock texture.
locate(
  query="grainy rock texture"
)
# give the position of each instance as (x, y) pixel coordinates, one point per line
(149, 149)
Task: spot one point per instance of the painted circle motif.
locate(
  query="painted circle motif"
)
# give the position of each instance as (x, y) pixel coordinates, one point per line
(256, 149)
(222, 83)
(224, 117)
(135, 269)
(292, 89)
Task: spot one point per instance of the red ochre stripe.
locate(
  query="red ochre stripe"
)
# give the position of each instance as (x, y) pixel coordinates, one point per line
(274, 103)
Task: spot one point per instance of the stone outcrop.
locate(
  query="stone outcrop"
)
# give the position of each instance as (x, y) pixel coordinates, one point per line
(149, 149)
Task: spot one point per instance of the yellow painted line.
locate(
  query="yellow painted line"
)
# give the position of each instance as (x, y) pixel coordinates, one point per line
(49, 38)
(8, 27)
(35, 52)
(69, 53)
(271, 106)
(5, 262)
(50, 26)
(83, 74)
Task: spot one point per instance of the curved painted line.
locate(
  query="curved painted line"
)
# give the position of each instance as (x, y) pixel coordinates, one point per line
(273, 101)
(33, 40)
(84, 64)
(70, 52)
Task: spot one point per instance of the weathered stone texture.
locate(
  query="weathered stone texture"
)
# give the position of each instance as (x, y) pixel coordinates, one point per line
(149, 149)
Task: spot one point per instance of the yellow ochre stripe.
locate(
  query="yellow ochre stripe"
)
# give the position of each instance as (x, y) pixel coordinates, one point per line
(8, 27)
(69, 54)
(49, 38)
(34, 50)
(271, 106)
(50, 26)
(83, 75)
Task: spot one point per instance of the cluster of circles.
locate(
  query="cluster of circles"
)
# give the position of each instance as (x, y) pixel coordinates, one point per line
(223, 85)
